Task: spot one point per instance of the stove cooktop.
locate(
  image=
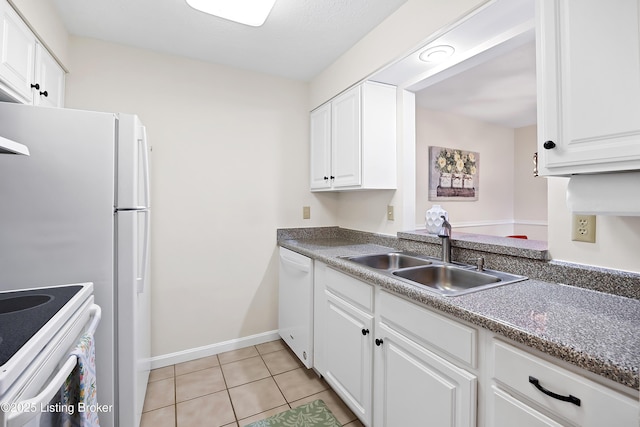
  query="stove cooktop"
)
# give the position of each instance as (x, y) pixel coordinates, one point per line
(24, 313)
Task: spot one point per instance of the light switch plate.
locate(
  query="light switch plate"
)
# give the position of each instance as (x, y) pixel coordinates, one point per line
(306, 212)
(390, 213)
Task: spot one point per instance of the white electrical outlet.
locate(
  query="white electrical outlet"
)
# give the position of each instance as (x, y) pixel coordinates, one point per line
(584, 228)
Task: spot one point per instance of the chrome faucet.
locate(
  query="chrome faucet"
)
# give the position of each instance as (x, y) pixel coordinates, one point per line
(445, 235)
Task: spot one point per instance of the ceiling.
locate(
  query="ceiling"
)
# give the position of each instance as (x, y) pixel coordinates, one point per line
(491, 75)
(299, 39)
(501, 90)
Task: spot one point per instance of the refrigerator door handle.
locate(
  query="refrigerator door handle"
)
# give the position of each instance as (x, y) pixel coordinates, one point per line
(142, 280)
(145, 166)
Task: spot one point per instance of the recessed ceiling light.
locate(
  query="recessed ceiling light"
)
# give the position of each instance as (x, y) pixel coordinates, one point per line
(437, 53)
(248, 12)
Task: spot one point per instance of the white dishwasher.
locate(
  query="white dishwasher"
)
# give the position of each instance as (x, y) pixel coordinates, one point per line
(295, 311)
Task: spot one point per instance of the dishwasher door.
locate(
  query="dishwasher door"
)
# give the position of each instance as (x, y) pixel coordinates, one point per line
(295, 311)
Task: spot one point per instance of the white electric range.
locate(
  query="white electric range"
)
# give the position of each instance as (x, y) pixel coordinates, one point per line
(38, 329)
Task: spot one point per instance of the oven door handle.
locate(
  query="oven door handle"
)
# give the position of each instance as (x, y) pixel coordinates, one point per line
(95, 312)
(32, 407)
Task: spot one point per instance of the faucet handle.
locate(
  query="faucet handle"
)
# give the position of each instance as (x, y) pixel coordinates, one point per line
(445, 229)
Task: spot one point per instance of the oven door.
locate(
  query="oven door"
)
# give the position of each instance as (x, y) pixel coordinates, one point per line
(29, 400)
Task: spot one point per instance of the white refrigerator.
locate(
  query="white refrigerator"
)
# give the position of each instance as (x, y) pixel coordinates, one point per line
(78, 210)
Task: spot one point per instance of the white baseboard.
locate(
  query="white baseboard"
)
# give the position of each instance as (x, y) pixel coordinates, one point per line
(210, 350)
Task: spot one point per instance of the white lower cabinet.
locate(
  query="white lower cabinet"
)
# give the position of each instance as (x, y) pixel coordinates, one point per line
(416, 379)
(348, 354)
(530, 391)
(397, 363)
(346, 310)
(410, 384)
(415, 387)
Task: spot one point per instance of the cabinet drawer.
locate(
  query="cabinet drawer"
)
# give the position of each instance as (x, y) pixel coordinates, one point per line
(598, 405)
(430, 329)
(353, 290)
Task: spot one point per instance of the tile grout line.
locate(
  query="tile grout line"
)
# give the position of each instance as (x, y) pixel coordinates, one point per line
(270, 376)
(175, 397)
(226, 385)
(274, 379)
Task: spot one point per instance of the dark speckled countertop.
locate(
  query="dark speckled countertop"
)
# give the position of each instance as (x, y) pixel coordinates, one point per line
(595, 331)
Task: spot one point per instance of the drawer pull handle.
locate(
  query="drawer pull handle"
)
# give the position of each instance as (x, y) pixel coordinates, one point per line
(570, 398)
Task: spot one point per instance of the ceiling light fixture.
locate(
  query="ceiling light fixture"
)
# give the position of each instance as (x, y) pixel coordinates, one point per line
(437, 53)
(248, 12)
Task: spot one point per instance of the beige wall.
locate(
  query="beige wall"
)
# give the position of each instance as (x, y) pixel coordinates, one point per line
(495, 144)
(530, 198)
(229, 166)
(617, 238)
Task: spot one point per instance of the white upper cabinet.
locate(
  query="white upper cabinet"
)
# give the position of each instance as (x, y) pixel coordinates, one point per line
(28, 73)
(320, 123)
(50, 78)
(353, 140)
(17, 55)
(346, 137)
(588, 86)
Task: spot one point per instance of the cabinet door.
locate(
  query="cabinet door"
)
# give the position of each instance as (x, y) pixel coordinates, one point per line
(346, 139)
(17, 44)
(588, 86)
(50, 77)
(414, 387)
(348, 358)
(320, 123)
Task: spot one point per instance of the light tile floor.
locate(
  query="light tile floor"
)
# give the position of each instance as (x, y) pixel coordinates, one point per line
(236, 388)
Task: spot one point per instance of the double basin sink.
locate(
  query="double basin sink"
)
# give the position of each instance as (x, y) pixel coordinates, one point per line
(435, 275)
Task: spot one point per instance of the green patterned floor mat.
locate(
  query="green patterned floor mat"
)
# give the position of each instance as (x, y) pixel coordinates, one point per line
(311, 414)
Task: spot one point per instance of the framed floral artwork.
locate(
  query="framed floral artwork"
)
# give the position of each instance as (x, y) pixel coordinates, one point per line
(453, 174)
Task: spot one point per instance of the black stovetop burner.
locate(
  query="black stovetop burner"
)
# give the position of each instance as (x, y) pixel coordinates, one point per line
(23, 313)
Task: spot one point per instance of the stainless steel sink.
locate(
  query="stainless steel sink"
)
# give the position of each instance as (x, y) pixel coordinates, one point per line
(389, 261)
(452, 280)
(432, 274)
